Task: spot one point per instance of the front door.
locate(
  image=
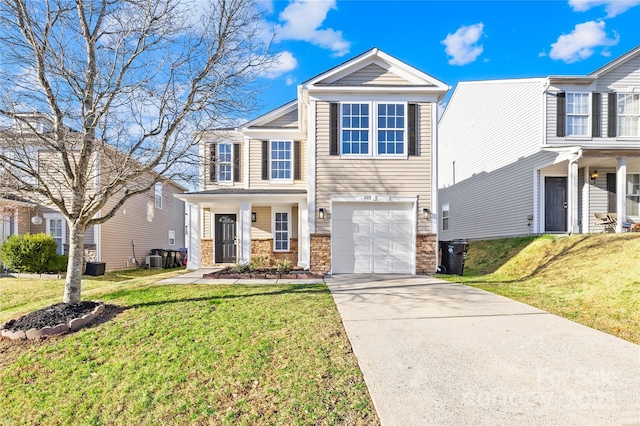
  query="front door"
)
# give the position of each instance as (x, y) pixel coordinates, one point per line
(555, 216)
(225, 243)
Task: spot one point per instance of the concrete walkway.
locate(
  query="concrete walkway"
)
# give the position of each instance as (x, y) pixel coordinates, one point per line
(195, 277)
(440, 353)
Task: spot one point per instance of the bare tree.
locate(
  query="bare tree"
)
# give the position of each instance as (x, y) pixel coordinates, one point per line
(101, 99)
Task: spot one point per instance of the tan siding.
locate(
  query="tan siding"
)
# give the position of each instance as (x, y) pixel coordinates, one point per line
(294, 221)
(206, 224)
(289, 120)
(24, 221)
(255, 168)
(261, 229)
(141, 221)
(373, 75)
(396, 177)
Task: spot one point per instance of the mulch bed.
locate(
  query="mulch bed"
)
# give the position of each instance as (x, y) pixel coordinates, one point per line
(60, 313)
(268, 273)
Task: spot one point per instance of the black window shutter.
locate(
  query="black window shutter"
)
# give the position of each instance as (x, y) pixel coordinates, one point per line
(265, 160)
(296, 161)
(612, 119)
(236, 162)
(561, 116)
(611, 192)
(412, 120)
(596, 118)
(333, 129)
(212, 162)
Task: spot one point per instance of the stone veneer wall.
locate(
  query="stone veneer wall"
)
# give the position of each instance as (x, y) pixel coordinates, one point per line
(426, 246)
(264, 247)
(321, 253)
(206, 252)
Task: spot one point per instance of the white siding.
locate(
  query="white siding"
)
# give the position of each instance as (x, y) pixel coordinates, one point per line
(625, 75)
(488, 125)
(493, 204)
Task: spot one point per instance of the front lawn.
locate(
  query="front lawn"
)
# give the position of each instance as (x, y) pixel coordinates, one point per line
(197, 354)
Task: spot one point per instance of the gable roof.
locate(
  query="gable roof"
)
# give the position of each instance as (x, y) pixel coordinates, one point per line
(384, 61)
(616, 62)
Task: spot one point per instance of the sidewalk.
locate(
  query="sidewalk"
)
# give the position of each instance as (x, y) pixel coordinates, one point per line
(440, 353)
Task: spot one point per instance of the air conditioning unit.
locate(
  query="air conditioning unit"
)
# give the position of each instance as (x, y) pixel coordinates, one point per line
(154, 262)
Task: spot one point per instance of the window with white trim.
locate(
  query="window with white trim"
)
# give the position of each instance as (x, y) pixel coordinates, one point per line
(281, 159)
(157, 190)
(628, 114)
(281, 231)
(172, 238)
(56, 227)
(225, 162)
(386, 121)
(633, 194)
(577, 114)
(445, 217)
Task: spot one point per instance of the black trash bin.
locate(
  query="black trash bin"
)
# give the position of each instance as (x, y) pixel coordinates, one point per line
(95, 268)
(453, 255)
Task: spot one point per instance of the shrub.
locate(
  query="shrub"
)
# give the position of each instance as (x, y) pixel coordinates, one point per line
(28, 253)
(284, 266)
(58, 263)
(260, 262)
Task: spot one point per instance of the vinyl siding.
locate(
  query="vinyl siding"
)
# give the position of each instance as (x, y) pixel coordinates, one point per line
(372, 74)
(289, 120)
(394, 177)
(625, 75)
(255, 168)
(493, 204)
(488, 125)
(261, 229)
(140, 220)
(207, 232)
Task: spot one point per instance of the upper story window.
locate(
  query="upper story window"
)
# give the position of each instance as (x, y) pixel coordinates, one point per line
(225, 162)
(577, 114)
(158, 195)
(628, 114)
(281, 164)
(445, 217)
(387, 121)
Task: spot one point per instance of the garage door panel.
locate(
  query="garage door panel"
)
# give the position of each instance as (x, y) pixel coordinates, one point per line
(373, 237)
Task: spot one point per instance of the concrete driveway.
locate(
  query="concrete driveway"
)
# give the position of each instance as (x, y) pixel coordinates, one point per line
(440, 353)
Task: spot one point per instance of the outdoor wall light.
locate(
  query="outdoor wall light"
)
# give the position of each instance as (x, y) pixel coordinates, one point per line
(426, 213)
(254, 217)
(594, 175)
(37, 219)
(321, 213)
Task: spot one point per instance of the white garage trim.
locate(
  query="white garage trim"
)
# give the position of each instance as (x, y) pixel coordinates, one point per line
(373, 234)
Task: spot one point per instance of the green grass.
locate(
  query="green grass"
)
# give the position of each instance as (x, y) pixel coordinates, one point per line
(188, 354)
(590, 279)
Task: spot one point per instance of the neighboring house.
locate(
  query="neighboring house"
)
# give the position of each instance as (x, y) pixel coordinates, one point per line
(154, 220)
(541, 155)
(340, 180)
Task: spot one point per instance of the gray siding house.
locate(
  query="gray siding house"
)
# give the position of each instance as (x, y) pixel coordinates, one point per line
(340, 180)
(559, 154)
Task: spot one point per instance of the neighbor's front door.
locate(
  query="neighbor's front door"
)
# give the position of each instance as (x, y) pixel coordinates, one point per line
(555, 190)
(225, 242)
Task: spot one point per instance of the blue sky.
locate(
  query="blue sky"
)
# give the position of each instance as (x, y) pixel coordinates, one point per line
(450, 40)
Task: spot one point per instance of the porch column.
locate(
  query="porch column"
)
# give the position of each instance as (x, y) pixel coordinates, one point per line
(304, 238)
(572, 198)
(194, 237)
(621, 192)
(245, 233)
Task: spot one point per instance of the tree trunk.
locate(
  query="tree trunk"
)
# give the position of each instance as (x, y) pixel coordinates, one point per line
(73, 283)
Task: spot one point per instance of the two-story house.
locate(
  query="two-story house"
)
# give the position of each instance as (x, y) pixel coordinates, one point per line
(559, 154)
(154, 219)
(342, 179)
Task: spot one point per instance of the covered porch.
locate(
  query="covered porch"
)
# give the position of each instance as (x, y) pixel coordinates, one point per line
(227, 226)
(588, 191)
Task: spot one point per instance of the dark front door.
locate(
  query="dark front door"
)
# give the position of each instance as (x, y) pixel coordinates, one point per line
(555, 216)
(225, 244)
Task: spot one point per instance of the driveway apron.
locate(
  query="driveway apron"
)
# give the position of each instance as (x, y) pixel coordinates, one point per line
(440, 353)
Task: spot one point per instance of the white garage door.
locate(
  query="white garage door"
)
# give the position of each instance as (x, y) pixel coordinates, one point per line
(372, 238)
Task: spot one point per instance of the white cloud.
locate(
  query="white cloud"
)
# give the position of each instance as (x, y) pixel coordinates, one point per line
(290, 80)
(302, 20)
(612, 7)
(580, 43)
(284, 63)
(462, 45)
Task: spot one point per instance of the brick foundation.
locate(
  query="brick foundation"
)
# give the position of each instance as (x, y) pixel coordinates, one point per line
(265, 248)
(426, 246)
(321, 253)
(206, 253)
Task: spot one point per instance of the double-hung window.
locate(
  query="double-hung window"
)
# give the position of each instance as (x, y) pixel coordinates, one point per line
(56, 227)
(281, 231)
(377, 129)
(628, 114)
(281, 160)
(445, 217)
(577, 114)
(633, 194)
(225, 162)
(157, 190)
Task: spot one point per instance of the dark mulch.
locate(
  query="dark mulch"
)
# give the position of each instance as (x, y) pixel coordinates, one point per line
(60, 313)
